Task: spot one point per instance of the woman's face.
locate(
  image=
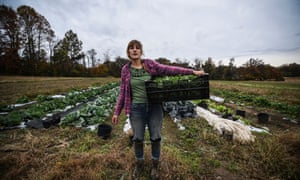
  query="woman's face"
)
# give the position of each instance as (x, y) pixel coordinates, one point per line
(134, 52)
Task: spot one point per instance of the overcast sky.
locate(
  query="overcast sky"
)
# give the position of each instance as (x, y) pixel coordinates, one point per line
(184, 29)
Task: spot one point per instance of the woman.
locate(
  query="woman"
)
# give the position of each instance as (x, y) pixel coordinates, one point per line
(133, 99)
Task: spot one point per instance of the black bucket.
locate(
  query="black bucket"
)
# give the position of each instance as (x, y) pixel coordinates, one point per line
(104, 130)
(263, 117)
(54, 120)
(203, 105)
(241, 113)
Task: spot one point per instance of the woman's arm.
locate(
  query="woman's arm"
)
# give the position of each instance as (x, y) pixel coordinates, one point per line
(199, 73)
(161, 69)
(121, 99)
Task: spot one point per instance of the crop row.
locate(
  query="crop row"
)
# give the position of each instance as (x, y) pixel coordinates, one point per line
(93, 113)
(48, 105)
(261, 101)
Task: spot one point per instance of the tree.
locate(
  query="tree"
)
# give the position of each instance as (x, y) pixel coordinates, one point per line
(28, 21)
(51, 41)
(92, 56)
(101, 70)
(230, 72)
(163, 61)
(73, 46)
(9, 41)
(254, 62)
(107, 56)
(45, 34)
(60, 59)
(209, 67)
(290, 70)
(67, 53)
(114, 68)
(255, 69)
(251, 70)
(180, 63)
(198, 63)
(270, 73)
(220, 71)
(35, 31)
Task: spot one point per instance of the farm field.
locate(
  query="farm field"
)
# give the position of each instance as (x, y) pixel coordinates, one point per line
(280, 96)
(195, 153)
(281, 91)
(14, 87)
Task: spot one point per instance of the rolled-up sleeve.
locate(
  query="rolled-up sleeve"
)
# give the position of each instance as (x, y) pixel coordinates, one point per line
(121, 99)
(161, 69)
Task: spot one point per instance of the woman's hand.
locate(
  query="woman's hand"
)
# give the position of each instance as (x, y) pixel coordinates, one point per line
(199, 73)
(115, 119)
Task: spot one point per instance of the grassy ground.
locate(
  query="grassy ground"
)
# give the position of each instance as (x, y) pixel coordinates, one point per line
(196, 153)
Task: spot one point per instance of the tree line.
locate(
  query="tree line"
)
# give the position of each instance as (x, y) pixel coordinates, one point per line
(29, 46)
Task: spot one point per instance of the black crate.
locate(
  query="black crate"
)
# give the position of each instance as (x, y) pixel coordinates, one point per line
(197, 88)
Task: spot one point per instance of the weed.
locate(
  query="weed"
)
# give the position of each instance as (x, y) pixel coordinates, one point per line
(84, 142)
(233, 167)
(215, 163)
(105, 148)
(273, 157)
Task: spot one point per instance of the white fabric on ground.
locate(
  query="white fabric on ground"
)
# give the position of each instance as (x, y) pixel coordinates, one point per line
(240, 133)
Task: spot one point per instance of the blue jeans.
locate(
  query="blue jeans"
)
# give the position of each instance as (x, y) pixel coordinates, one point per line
(143, 114)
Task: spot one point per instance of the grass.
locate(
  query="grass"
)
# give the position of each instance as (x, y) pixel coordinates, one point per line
(195, 153)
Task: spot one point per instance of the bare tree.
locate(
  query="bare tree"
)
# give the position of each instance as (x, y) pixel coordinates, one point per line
(35, 31)
(9, 40)
(92, 56)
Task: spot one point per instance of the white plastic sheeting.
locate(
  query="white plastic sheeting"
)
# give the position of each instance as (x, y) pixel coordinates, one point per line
(217, 99)
(238, 131)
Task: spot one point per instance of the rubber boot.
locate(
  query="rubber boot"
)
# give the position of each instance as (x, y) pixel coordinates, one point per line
(155, 170)
(138, 169)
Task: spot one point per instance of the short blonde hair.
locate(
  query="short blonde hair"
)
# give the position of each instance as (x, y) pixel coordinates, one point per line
(134, 43)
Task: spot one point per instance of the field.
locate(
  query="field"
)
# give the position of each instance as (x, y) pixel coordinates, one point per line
(195, 153)
(14, 87)
(281, 96)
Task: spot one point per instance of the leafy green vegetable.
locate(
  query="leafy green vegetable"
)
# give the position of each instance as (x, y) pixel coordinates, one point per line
(23, 99)
(174, 79)
(93, 113)
(48, 105)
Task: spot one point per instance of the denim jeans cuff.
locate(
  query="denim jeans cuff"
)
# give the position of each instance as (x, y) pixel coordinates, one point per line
(139, 159)
(155, 158)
